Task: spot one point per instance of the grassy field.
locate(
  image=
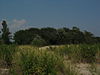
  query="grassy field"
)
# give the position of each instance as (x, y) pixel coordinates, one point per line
(50, 60)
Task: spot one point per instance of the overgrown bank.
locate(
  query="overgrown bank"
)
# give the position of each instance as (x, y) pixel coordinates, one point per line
(29, 60)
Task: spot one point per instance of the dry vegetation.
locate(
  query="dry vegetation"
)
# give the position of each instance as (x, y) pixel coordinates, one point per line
(50, 60)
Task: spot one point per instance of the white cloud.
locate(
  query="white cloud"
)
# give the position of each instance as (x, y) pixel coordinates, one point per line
(16, 22)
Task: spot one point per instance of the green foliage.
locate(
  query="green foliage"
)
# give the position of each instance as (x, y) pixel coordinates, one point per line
(1, 42)
(5, 33)
(89, 38)
(35, 62)
(79, 53)
(54, 36)
(29, 60)
(50, 35)
(22, 37)
(7, 54)
(38, 41)
(88, 53)
(25, 36)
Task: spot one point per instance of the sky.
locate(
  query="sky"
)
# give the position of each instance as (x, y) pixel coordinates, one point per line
(23, 14)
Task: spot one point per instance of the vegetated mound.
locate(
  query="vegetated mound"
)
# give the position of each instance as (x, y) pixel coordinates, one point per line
(49, 60)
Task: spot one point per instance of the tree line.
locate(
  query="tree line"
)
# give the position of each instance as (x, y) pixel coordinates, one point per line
(49, 36)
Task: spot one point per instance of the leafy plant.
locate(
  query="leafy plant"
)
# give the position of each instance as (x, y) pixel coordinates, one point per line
(38, 41)
(6, 54)
(37, 62)
(88, 53)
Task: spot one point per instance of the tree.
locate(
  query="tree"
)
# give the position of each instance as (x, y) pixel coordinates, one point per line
(70, 36)
(77, 36)
(38, 41)
(97, 39)
(5, 33)
(49, 35)
(89, 37)
(25, 36)
(61, 39)
(54, 36)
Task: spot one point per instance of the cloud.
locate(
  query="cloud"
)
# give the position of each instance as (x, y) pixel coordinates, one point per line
(14, 25)
(16, 22)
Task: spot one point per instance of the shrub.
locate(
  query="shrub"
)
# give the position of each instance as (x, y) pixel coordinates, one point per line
(6, 54)
(70, 52)
(32, 61)
(79, 53)
(37, 62)
(38, 41)
(88, 53)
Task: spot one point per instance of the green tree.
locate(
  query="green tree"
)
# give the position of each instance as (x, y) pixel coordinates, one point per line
(54, 36)
(38, 41)
(0, 39)
(77, 36)
(50, 35)
(61, 39)
(5, 33)
(70, 36)
(89, 37)
(26, 36)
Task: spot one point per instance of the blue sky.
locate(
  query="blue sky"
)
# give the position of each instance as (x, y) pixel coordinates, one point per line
(22, 14)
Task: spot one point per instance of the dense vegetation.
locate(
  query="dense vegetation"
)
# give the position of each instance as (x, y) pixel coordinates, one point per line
(48, 36)
(54, 36)
(72, 46)
(47, 61)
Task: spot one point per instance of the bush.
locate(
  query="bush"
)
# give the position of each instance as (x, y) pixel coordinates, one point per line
(1, 41)
(38, 41)
(79, 53)
(37, 62)
(6, 54)
(88, 53)
(69, 52)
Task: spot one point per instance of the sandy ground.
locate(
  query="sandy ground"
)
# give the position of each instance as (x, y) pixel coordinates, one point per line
(87, 69)
(84, 68)
(4, 71)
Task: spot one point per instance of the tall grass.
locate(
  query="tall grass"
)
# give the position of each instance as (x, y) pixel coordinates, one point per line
(32, 61)
(88, 53)
(37, 62)
(6, 54)
(29, 60)
(79, 53)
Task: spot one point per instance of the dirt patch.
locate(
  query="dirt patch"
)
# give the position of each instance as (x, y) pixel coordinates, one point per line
(88, 69)
(4, 71)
